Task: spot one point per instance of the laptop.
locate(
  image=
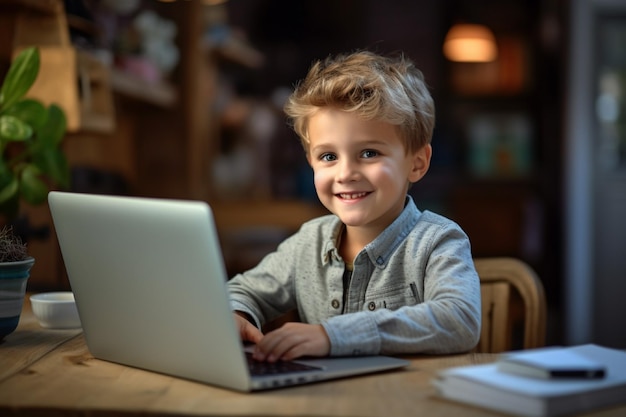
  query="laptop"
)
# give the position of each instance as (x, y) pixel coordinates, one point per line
(150, 287)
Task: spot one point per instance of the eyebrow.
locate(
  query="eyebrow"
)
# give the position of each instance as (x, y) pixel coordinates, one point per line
(319, 148)
(364, 144)
(377, 142)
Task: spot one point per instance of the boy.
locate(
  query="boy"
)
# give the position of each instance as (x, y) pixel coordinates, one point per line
(377, 276)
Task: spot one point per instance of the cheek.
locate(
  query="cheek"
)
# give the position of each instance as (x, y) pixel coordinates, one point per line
(384, 174)
(321, 178)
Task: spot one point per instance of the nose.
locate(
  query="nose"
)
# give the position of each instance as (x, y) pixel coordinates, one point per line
(347, 170)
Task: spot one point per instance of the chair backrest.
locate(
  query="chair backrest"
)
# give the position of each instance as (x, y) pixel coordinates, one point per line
(513, 305)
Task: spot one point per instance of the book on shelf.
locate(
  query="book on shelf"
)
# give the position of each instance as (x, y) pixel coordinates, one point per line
(490, 387)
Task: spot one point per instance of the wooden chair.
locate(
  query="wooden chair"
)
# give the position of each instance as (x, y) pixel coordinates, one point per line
(513, 306)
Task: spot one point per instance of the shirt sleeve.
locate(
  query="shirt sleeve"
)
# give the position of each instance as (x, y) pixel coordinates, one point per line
(267, 290)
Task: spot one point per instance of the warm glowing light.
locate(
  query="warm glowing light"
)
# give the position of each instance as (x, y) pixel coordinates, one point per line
(205, 2)
(470, 43)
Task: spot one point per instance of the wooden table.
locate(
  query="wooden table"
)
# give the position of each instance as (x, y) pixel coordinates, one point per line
(51, 372)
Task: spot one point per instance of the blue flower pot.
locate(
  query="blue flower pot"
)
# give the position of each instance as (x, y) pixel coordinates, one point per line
(13, 277)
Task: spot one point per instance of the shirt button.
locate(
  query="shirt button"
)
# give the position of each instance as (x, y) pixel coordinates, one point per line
(371, 306)
(335, 304)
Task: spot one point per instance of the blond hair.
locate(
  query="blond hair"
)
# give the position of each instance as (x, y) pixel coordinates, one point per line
(373, 87)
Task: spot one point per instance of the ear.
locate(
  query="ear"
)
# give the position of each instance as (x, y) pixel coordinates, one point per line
(420, 163)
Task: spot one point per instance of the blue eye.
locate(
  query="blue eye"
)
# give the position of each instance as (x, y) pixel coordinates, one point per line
(328, 157)
(369, 153)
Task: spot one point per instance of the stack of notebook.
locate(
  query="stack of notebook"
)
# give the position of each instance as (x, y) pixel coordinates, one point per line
(543, 382)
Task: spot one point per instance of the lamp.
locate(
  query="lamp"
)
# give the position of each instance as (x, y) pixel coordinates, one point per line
(470, 43)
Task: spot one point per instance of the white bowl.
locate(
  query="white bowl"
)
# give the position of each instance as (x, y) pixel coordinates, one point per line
(55, 310)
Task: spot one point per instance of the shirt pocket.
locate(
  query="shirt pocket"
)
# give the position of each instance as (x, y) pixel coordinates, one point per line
(392, 298)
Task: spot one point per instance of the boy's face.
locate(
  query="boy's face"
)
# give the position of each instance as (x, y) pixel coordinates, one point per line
(362, 171)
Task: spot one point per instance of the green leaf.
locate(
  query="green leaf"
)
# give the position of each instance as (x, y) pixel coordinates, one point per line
(9, 196)
(14, 129)
(30, 111)
(32, 189)
(5, 173)
(52, 163)
(20, 77)
(53, 131)
(9, 191)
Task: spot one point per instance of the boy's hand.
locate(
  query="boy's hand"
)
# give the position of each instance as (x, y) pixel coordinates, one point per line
(247, 331)
(291, 341)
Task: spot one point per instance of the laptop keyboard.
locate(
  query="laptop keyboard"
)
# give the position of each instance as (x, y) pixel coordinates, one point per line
(258, 368)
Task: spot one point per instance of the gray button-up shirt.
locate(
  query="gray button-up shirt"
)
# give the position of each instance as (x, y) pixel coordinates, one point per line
(414, 288)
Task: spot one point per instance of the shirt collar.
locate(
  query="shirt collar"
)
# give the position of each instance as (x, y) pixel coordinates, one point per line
(380, 249)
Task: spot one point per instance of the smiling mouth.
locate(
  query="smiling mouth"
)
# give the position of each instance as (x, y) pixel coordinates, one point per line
(352, 196)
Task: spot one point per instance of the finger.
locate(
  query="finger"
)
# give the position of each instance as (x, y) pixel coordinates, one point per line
(274, 344)
(252, 334)
(302, 347)
(247, 331)
(294, 345)
(295, 352)
(265, 346)
(314, 343)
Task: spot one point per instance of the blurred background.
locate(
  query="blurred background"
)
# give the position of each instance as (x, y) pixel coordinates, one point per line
(183, 99)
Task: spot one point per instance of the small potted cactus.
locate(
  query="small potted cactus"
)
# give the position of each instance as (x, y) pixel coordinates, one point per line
(15, 265)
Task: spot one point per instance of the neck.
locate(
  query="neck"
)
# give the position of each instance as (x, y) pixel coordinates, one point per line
(353, 240)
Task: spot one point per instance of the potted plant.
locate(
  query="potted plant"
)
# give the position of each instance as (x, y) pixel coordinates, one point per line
(15, 265)
(31, 158)
(31, 162)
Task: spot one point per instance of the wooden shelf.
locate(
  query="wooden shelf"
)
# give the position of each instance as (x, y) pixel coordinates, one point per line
(160, 94)
(50, 7)
(235, 50)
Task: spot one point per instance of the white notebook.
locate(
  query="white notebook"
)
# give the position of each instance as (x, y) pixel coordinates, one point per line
(551, 363)
(486, 386)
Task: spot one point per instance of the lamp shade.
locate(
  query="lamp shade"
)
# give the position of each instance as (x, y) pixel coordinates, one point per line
(470, 43)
